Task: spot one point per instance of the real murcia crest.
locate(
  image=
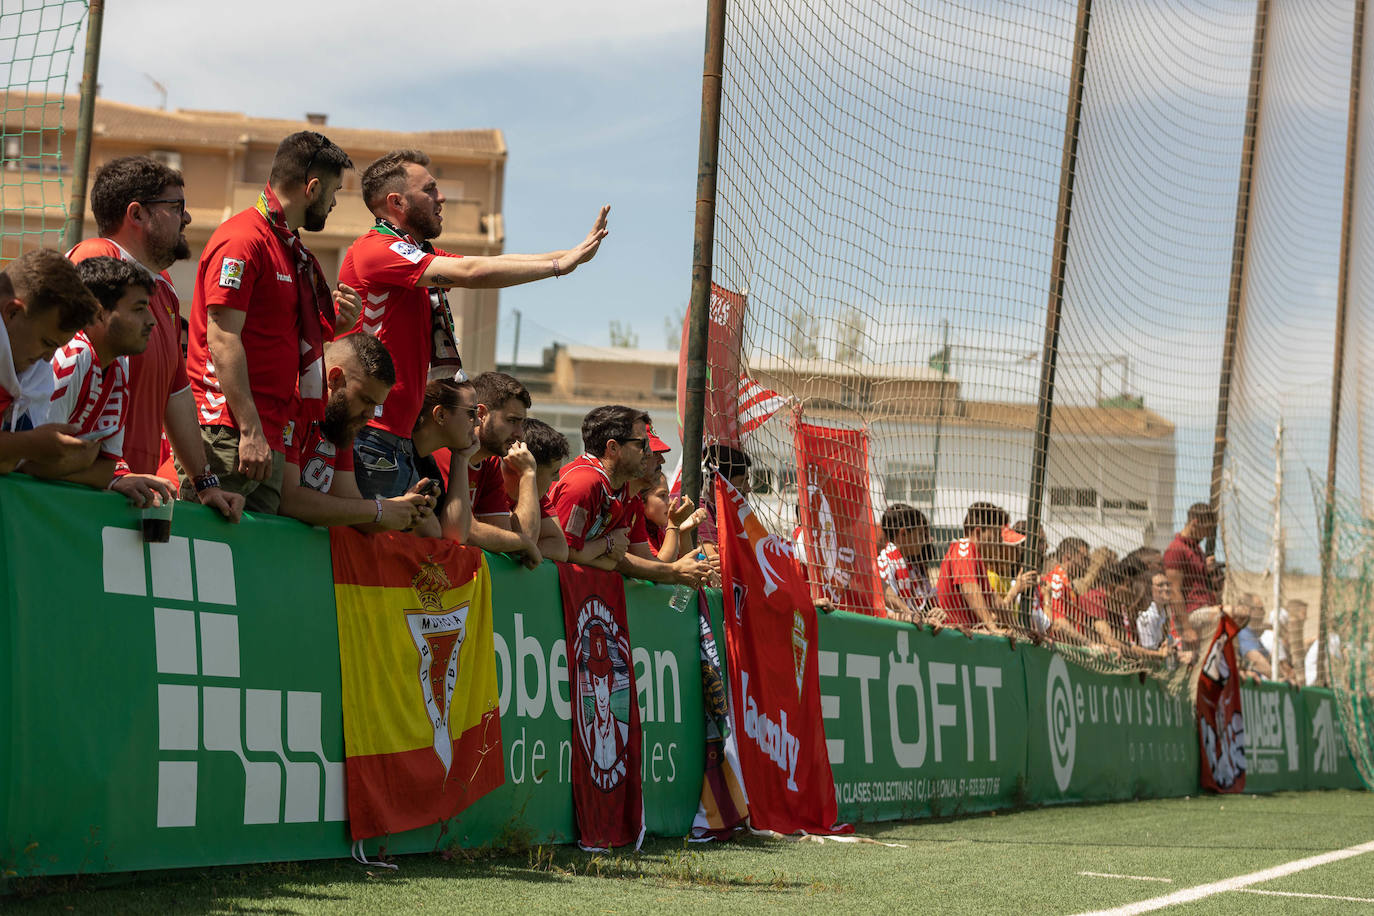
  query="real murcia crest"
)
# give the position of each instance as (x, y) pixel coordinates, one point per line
(799, 646)
(438, 633)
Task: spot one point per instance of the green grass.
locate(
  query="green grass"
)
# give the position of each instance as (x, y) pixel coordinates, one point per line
(1023, 862)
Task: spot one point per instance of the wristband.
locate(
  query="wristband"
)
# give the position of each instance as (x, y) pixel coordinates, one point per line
(556, 271)
(378, 501)
(206, 481)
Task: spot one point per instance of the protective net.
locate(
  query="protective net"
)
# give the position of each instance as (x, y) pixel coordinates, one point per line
(889, 225)
(38, 45)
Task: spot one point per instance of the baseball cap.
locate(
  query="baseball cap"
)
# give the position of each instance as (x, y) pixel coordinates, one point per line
(1011, 536)
(656, 444)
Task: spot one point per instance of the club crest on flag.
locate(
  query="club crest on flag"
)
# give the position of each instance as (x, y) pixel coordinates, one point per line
(602, 693)
(834, 556)
(799, 646)
(438, 633)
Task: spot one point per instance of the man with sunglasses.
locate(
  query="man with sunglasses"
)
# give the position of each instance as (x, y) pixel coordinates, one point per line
(259, 320)
(405, 281)
(139, 206)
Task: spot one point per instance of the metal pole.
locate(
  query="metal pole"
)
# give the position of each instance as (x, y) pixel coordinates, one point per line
(1278, 544)
(946, 354)
(76, 211)
(1050, 355)
(1338, 361)
(515, 349)
(703, 247)
(1235, 304)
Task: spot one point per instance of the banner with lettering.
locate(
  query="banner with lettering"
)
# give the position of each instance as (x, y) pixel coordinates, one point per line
(422, 727)
(724, 368)
(775, 698)
(607, 790)
(837, 517)
(1220, 718)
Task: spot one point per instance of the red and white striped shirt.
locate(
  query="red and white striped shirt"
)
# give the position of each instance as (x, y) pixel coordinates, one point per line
(916, 590)
(93, 398)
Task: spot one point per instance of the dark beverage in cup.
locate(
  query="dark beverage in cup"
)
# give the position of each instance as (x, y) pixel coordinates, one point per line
(157, 523)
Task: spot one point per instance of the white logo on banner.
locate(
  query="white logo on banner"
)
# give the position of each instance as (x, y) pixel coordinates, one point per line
(195, 644)
(1063, 724)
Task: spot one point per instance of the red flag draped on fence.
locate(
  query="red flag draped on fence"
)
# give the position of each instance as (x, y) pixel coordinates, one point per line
(607, 794)
(422, 728)
(723, 368)
(775, 694)
(837, 517)
(1221, 727)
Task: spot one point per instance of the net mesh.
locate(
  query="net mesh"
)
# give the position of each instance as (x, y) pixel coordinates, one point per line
(38, 45)
(889, 185)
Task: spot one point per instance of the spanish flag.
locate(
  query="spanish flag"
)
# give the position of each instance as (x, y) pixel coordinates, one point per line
(422, 724)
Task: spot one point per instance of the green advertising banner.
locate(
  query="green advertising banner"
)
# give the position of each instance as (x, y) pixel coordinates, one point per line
(919, 725)
(1326, 757)
(1276, 731)
(1096, 737)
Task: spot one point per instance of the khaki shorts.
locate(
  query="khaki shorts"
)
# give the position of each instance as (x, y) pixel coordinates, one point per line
(222, 451)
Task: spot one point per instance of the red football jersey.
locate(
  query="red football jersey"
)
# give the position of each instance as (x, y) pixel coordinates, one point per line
(245, 267)
(962, 564)
(92, 398)
(155, 374)
(317, 458)
(384, 270)
(587, 508)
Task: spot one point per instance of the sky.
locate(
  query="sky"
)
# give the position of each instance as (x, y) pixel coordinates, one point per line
(599, 102)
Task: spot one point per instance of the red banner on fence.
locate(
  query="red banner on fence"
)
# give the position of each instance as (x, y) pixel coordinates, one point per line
(775, 694)
(607, 794)
(837, 517)
(1221, 727)
(723, 369)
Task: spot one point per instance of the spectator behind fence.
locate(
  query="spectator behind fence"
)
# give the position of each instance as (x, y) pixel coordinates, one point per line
(42, 304)
(1190, 573)
(1008, 579)
(590, 495)
(670, 520)
(963, 593)
(733, 465)
(405, 279)
(1250, 652)
(259, 318)
(139, 205)
(446, 431)
(91, 377)
(1155, 624)
(1065, 617)
(530, 504)
(318, 484)
(502, 403)
(902, 563)
(1108, 608)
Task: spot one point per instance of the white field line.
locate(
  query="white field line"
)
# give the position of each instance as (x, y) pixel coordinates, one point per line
(1189, 894)
(1251, 890)
(1103, 874)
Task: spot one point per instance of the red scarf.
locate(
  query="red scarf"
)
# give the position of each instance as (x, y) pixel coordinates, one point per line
(314, 301)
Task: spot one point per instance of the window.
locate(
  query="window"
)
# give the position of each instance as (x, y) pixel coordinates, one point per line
(906, 482)
(1073, 497)
(168, 157)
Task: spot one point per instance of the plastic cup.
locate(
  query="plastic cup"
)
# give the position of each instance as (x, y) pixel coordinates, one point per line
(157, 522)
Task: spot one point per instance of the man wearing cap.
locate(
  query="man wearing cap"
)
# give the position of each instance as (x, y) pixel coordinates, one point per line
(640, 560)
(963, 592)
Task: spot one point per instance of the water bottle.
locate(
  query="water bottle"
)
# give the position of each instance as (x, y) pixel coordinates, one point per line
(683, 594)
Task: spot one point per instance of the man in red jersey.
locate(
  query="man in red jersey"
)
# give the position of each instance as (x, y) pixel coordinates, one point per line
(42, 303)
(318, 486)
(1189, 572)
(641, 560)
(403, 280)
(91, 377)
(1066, 620)
(139, 205)
(963, 593)
(590, 495)
(261, 314)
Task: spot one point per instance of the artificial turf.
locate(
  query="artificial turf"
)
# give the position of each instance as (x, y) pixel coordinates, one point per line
(1021, 862)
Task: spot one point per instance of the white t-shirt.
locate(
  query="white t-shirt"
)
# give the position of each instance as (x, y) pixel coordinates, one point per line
(1149, 625)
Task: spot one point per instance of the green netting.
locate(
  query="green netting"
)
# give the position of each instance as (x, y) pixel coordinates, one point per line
(1350, 622)
(38, 51)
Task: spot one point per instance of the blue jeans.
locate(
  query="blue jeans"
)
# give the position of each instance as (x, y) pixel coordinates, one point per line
(383, 463)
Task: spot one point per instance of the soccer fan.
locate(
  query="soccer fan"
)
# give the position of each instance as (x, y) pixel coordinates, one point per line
(963, 593)
(1155, 625)
(1065, 617)
(91, 377)
(907, 591)
(318, 484)
(404, 279)
(259, 319)
(447, 431)
(733, 465)
(1007, 584)
(502, 403)
(42, 304)
(530, 506)
(669, 520)
(642, 560)
(139, 206)
(1250, 652)
(1190, 573)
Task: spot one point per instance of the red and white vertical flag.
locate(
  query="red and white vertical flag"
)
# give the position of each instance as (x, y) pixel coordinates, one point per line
(837, 517)
(755, 405)
(1220, 722)
(723, 368)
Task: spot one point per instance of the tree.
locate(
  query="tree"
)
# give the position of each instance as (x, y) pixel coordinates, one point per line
(849, 336)
(672, 328)
(805, 334)
(623, 337)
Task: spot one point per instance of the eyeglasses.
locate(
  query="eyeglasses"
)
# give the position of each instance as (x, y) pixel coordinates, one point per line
(642, 440)
(179, 203)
